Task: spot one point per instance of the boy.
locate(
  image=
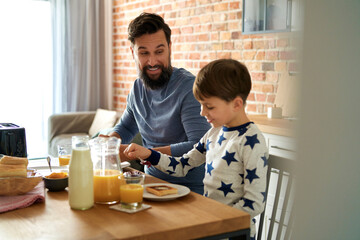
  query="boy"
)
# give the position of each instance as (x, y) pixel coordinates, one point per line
(234, 149)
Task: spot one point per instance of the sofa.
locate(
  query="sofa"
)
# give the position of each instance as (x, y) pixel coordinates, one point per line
(61, 128)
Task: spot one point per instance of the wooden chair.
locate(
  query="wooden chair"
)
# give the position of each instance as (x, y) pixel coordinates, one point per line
(276, 221)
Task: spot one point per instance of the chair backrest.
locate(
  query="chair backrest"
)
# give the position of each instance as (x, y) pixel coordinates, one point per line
(276, 220)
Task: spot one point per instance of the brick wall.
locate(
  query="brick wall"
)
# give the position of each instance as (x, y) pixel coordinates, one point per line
(202, 31)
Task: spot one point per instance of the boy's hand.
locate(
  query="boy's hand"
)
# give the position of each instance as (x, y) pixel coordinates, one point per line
(135, 151)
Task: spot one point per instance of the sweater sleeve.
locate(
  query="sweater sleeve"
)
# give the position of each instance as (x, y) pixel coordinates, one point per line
(127, 127)
(178, 166)
(255, 171)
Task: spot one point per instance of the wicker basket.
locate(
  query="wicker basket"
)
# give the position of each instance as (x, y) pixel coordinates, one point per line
(19, 185)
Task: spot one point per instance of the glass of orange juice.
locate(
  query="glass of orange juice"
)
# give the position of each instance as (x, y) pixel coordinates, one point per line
(131, 192)
(64, 153)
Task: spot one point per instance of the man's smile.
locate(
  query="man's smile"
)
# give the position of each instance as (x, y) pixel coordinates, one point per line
(153, 68)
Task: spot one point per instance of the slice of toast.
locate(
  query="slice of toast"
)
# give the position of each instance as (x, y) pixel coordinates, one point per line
(14, 160)
(8, 170)
(162, 190)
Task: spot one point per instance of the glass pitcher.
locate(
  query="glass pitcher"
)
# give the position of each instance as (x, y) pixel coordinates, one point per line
(107, 169)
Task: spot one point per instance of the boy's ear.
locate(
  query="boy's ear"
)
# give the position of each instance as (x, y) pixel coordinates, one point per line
(238, 103)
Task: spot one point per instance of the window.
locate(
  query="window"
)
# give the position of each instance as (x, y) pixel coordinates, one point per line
(26, 69)
(263, 16)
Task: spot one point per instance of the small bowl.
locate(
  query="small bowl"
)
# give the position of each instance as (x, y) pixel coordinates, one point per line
(56, 184)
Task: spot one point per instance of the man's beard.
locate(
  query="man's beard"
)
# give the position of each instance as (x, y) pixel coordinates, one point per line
(158, 83)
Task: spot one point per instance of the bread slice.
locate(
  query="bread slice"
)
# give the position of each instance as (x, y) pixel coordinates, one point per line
(161, 190)
(10, 160)
(8, 170)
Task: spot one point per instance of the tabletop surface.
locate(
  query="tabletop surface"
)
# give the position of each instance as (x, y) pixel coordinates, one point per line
(191, 216)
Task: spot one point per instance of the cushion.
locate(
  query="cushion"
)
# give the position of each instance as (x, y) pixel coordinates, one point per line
(103, 119)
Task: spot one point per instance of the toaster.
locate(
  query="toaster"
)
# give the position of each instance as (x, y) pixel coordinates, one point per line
(12, 140)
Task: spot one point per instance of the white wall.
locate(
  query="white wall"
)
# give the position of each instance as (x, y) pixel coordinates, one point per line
(328, 200)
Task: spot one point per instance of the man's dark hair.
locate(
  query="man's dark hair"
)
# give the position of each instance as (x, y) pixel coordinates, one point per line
(147, 23)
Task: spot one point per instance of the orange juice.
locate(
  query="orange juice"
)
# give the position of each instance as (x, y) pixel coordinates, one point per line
(107, 186)
(64, 160)
(131, 193)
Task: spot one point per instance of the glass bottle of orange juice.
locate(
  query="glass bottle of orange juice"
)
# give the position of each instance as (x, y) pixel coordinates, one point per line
(107, 169)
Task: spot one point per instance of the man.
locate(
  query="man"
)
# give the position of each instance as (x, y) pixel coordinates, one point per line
(161, 105)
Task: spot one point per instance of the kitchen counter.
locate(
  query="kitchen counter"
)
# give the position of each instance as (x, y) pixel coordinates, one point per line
(282, 127)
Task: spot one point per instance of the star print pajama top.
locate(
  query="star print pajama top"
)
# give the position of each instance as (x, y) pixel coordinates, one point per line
(235, 169)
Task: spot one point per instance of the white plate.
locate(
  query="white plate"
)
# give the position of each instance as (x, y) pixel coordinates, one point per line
(182, 191)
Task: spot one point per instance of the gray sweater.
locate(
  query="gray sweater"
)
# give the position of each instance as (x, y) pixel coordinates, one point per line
(167, 116)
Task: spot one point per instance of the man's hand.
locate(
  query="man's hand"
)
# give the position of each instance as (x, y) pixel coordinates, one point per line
(113, 134)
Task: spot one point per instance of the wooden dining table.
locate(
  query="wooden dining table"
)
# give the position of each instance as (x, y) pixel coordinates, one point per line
(189, 217)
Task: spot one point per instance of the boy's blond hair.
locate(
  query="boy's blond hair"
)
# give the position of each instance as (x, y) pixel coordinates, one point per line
(223, 78)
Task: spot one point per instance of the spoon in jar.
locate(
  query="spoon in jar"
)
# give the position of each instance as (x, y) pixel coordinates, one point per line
(49, 160)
